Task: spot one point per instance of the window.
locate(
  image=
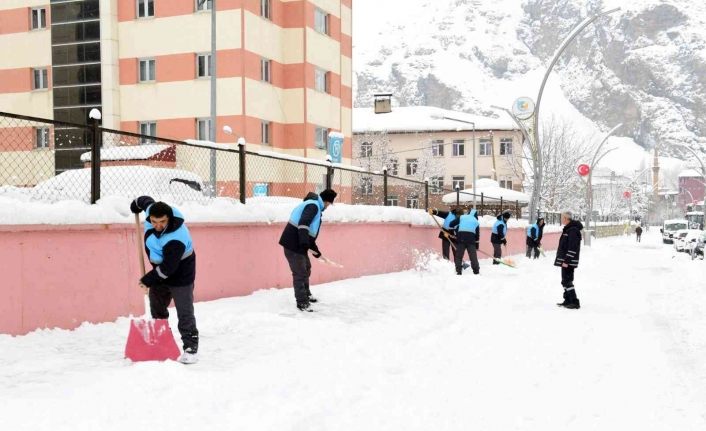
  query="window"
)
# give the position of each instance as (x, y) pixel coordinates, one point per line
(506, 147)
(266, 9)
(41, 137)
(203, 65)
(40, 79)
(483, 177)
(321, 80)
(206, 5)
(413, 202)
(203, 129)
(265, 70)
(148, 128)
(320, 137)
(436, 185)
(321, 21)
(393, 167)
(366, 186)
(39, 18)
(437, 148)
(366, 149)
(265, 129)
(145, 8)
(459, 148)
(458, 181)
(506, 184)
(411, 167)
(147, 70)
(392, 201)
(485, 148)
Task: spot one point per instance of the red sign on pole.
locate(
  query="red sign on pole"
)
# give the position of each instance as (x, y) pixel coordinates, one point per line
(583, 169)
(627, 194)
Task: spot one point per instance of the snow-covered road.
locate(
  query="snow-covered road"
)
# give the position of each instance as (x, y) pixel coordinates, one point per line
(417, 350)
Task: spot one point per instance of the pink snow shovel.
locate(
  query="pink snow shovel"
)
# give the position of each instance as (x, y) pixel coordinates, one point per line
(149, 339)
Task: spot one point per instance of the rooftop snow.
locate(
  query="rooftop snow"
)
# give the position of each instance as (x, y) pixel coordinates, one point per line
(490, 189)
(690, 173)
(422, 119)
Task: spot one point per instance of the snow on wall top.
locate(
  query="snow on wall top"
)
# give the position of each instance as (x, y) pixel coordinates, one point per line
(127, 152)
(423, 119)
(19, 209)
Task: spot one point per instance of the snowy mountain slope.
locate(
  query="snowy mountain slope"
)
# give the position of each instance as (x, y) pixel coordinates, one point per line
(470, 54)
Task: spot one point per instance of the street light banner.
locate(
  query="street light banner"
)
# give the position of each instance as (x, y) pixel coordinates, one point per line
(523, 108)
(335, 146)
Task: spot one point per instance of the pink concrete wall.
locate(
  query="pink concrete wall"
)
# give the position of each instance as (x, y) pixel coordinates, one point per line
(61, 276)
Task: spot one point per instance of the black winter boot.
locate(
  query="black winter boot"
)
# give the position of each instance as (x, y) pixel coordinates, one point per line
(304, 306)
(563, 304)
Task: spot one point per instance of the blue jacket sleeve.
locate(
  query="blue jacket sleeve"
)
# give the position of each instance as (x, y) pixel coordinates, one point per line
(172, 253)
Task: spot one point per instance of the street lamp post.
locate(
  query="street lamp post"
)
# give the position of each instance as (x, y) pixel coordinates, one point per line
(212, 71)
(443, 117)
(589, 190)
(538, 171)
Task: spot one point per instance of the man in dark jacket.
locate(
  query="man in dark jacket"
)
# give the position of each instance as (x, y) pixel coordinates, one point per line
(171, 253)
(299, 236)
(534, 237)
(446, 232)
(567, 257)
(498, 235)
(638, 232)
(467, 231)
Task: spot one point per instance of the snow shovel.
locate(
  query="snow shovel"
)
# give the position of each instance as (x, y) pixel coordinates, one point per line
(149, 339)
(328, 261)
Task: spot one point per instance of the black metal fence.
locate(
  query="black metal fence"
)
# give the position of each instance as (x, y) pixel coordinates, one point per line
(51, 161)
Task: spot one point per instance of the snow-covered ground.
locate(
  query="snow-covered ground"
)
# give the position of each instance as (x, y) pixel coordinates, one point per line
(417, 350)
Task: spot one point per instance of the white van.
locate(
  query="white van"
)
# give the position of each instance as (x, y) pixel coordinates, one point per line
(670, 227)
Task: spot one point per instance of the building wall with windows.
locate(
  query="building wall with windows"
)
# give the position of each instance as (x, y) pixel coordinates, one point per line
(410, 141)
(283, 69)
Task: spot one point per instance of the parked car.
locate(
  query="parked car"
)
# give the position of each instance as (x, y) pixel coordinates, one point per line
(684, 239)
(678, 239)
(669, 227)
(175, 185)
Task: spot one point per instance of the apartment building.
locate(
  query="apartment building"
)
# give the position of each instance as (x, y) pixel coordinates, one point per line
(421, 142)
(283, 71)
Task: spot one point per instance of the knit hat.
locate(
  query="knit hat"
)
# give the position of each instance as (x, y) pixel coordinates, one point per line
(328, 195)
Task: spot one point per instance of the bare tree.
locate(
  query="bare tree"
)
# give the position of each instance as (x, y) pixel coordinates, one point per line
(563, 149)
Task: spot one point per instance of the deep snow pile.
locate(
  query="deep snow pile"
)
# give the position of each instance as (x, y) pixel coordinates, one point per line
(417, 350)
(16, 210)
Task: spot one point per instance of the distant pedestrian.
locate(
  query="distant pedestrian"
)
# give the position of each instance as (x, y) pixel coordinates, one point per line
(534, 237)
(567, 257)
(467, 231)
(498, 236)
(638, 232)
(446, 232)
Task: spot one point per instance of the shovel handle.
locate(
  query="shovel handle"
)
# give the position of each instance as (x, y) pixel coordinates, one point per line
(141, 259)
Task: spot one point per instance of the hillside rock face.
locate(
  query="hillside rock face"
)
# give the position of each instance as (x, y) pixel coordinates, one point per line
(644, 66)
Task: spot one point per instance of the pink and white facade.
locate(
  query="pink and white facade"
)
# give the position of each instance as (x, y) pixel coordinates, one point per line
(284, 72)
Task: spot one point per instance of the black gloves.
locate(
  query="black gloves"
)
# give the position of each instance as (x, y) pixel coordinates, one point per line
(315, 250)
(134, 208)
(477, 245)
(140, 204)
(504, 241)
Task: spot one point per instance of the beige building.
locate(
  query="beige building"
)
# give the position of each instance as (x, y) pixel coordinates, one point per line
(423, 142)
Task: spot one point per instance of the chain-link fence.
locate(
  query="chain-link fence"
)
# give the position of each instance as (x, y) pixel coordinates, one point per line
(51, 161)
